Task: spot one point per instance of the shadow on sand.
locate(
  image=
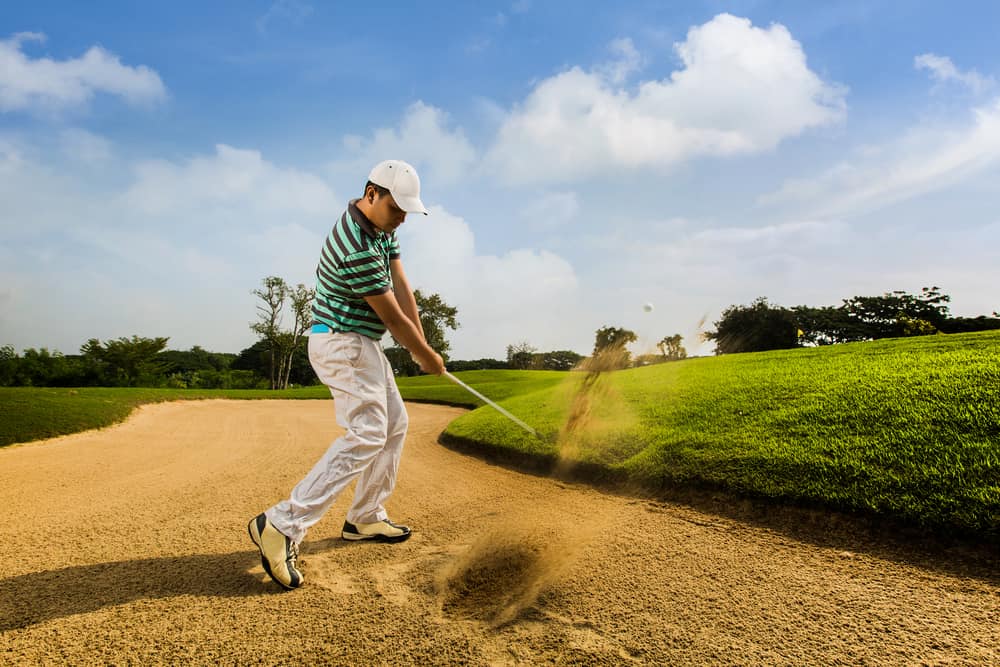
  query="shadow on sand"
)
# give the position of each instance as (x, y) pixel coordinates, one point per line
(42, 596)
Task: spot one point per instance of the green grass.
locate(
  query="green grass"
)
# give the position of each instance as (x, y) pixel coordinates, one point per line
(907, 428)
(29, 413)
(495, 385)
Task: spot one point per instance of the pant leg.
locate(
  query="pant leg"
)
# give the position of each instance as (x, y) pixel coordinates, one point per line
(377, 482)
(351, 366)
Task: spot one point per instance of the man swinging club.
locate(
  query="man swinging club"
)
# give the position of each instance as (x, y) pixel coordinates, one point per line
(361, 290)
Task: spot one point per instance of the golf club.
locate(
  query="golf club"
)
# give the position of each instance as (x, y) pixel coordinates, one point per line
(490, 403)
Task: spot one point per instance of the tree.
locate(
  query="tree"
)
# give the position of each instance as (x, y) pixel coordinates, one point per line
(610, 351)
(754, 328)
(558, 360)
(268, 324)
(521, 356)
(828, 325)
(195, 359)
(477, 365)
(8, 365)
(966, 324)
(281, 344)
(301, 301)
(256, 358)
(435, 317)
(671, 348)
(127, 362)
(892, 314)
(886, 316)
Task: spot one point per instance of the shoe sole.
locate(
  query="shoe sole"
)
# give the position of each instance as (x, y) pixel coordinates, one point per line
(387, 539)
(263, 559)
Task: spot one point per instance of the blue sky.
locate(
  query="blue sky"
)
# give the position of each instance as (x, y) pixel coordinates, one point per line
(579, 160)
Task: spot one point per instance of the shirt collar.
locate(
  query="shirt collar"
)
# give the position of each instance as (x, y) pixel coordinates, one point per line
(362, 220)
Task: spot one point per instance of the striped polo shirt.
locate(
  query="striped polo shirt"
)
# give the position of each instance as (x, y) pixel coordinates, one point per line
(353, 264)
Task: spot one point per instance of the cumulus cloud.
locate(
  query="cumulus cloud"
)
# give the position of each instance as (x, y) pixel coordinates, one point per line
(926, 159)
(742, 89)
(43, 84)
(233, 179)
(552, 209)
(423, 138)
(626, 62)
(175, 252)
(80, 145)
(10, 155)
(501, 299)
(943, 70)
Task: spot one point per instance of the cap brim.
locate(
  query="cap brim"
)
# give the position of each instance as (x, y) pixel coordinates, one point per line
(410, 204)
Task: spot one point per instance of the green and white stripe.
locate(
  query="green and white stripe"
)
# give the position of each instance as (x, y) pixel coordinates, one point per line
(353, 264)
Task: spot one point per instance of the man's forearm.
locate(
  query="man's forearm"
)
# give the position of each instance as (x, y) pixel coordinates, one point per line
(408, 335)
(408, 304)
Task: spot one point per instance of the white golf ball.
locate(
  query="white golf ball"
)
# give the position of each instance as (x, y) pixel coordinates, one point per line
(648, 307)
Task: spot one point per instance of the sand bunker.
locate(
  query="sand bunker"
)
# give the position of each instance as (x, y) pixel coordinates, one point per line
(128, 546)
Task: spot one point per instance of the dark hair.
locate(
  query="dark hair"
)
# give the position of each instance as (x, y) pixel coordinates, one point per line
(379, 190)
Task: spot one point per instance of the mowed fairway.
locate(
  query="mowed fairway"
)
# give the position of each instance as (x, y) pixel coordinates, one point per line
(129, 545)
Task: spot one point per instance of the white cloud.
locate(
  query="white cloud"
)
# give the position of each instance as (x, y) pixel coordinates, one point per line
(627, 61)
(176, 253)
(742, 89)
(552, 209)
(10, 155)
(423, 138)
(926, 159)
(943, 70)
(232, 179)
(501, 299)
(42, 84)
(82, 146)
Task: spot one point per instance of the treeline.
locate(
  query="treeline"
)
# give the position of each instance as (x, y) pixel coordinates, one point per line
(143, 362)
(763, 326)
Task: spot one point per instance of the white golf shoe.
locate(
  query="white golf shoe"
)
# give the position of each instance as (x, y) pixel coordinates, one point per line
(277, 552)
(380, 531)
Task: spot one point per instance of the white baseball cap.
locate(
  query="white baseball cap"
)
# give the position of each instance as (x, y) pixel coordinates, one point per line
(402, 182)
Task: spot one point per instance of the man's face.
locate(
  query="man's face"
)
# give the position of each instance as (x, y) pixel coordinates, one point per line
(385, 214)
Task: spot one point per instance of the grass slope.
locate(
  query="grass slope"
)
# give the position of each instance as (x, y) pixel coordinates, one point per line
(908, 428)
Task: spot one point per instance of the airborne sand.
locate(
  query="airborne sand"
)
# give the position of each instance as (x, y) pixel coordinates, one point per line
(128, 545)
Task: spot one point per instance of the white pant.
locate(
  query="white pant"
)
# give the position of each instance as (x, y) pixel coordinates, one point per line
(369, 406)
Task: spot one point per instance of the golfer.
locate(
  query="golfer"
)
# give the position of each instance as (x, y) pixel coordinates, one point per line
(361, 290)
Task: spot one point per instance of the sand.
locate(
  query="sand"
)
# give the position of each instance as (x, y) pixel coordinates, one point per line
(128, 545)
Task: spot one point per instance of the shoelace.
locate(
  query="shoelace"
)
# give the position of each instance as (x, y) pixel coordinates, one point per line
(294, 549)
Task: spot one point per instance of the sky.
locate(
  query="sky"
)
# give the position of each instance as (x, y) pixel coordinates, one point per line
(579, 160)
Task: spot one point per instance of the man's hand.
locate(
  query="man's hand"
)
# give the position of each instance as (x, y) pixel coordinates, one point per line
(432, 365)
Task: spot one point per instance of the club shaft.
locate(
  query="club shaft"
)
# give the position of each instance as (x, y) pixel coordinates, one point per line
(490, 403)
